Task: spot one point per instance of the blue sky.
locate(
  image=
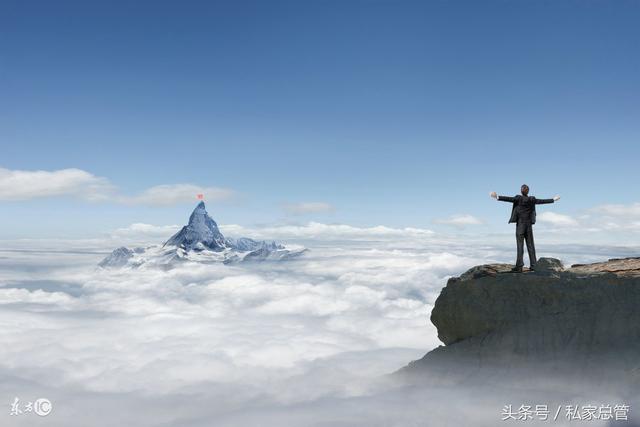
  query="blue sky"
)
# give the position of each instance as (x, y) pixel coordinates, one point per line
(395, 113)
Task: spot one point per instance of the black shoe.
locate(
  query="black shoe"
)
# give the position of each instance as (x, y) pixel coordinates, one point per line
(517, 269)
(532, 268)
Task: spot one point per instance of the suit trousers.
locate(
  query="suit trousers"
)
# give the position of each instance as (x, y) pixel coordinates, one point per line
(524, 233)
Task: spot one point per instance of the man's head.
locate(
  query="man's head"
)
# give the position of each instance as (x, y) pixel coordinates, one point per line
(524, 190)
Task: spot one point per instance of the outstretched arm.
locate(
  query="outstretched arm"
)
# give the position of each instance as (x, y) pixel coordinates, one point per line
(544, 201)
(502, 198)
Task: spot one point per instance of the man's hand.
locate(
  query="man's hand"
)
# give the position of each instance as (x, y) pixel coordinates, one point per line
(493, 194)
(556, 198)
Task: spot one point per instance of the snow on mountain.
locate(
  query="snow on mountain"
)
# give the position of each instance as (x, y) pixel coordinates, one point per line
(202, 230)
(200, 241)
(118, 258)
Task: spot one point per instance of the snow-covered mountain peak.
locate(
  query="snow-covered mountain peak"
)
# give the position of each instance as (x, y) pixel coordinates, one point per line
(202, 230)
(200, 241)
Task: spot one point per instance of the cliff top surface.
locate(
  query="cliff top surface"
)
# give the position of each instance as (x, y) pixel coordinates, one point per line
(618, 266)
(627, 267)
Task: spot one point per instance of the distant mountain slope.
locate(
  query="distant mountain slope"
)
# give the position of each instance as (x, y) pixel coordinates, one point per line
(200, 241)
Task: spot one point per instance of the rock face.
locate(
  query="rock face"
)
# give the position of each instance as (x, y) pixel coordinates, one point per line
(117, 258)
(201, 231)
(580, 323)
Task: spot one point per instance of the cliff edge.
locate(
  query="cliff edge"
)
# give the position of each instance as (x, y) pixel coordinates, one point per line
(578, 324)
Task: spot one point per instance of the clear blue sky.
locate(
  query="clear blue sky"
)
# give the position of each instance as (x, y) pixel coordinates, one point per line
(395, 113)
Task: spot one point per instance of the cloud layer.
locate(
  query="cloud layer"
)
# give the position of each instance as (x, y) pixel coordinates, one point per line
(273, 343)
(323, 325)
(317, 230)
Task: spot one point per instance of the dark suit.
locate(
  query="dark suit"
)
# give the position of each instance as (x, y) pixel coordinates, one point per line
(523, 214)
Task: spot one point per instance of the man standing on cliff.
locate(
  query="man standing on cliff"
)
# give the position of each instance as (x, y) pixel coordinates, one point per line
(524, 215)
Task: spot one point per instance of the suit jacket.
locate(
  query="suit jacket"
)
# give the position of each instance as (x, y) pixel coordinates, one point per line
(524, 208)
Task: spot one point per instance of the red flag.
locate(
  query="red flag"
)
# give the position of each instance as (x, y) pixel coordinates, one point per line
(200, 196)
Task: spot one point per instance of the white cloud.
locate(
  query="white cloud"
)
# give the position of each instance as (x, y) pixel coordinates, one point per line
(459, 220)
(613, 221)
(24, 185)
(606, 218)
(172, 194)
(619, 210)
(558, 220)
(616, 217)
(308, 208)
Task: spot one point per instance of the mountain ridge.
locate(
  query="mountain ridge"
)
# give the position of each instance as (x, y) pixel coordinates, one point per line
(200, 241)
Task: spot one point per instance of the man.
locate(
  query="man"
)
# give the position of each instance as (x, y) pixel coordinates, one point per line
(524, 215)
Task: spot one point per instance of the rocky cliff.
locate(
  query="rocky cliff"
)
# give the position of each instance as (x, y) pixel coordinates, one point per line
(568, 325)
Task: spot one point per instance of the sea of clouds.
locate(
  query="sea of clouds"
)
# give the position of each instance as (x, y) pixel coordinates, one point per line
(309, 341)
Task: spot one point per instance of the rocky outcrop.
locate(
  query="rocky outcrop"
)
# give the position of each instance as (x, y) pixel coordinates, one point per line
(552, 324)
